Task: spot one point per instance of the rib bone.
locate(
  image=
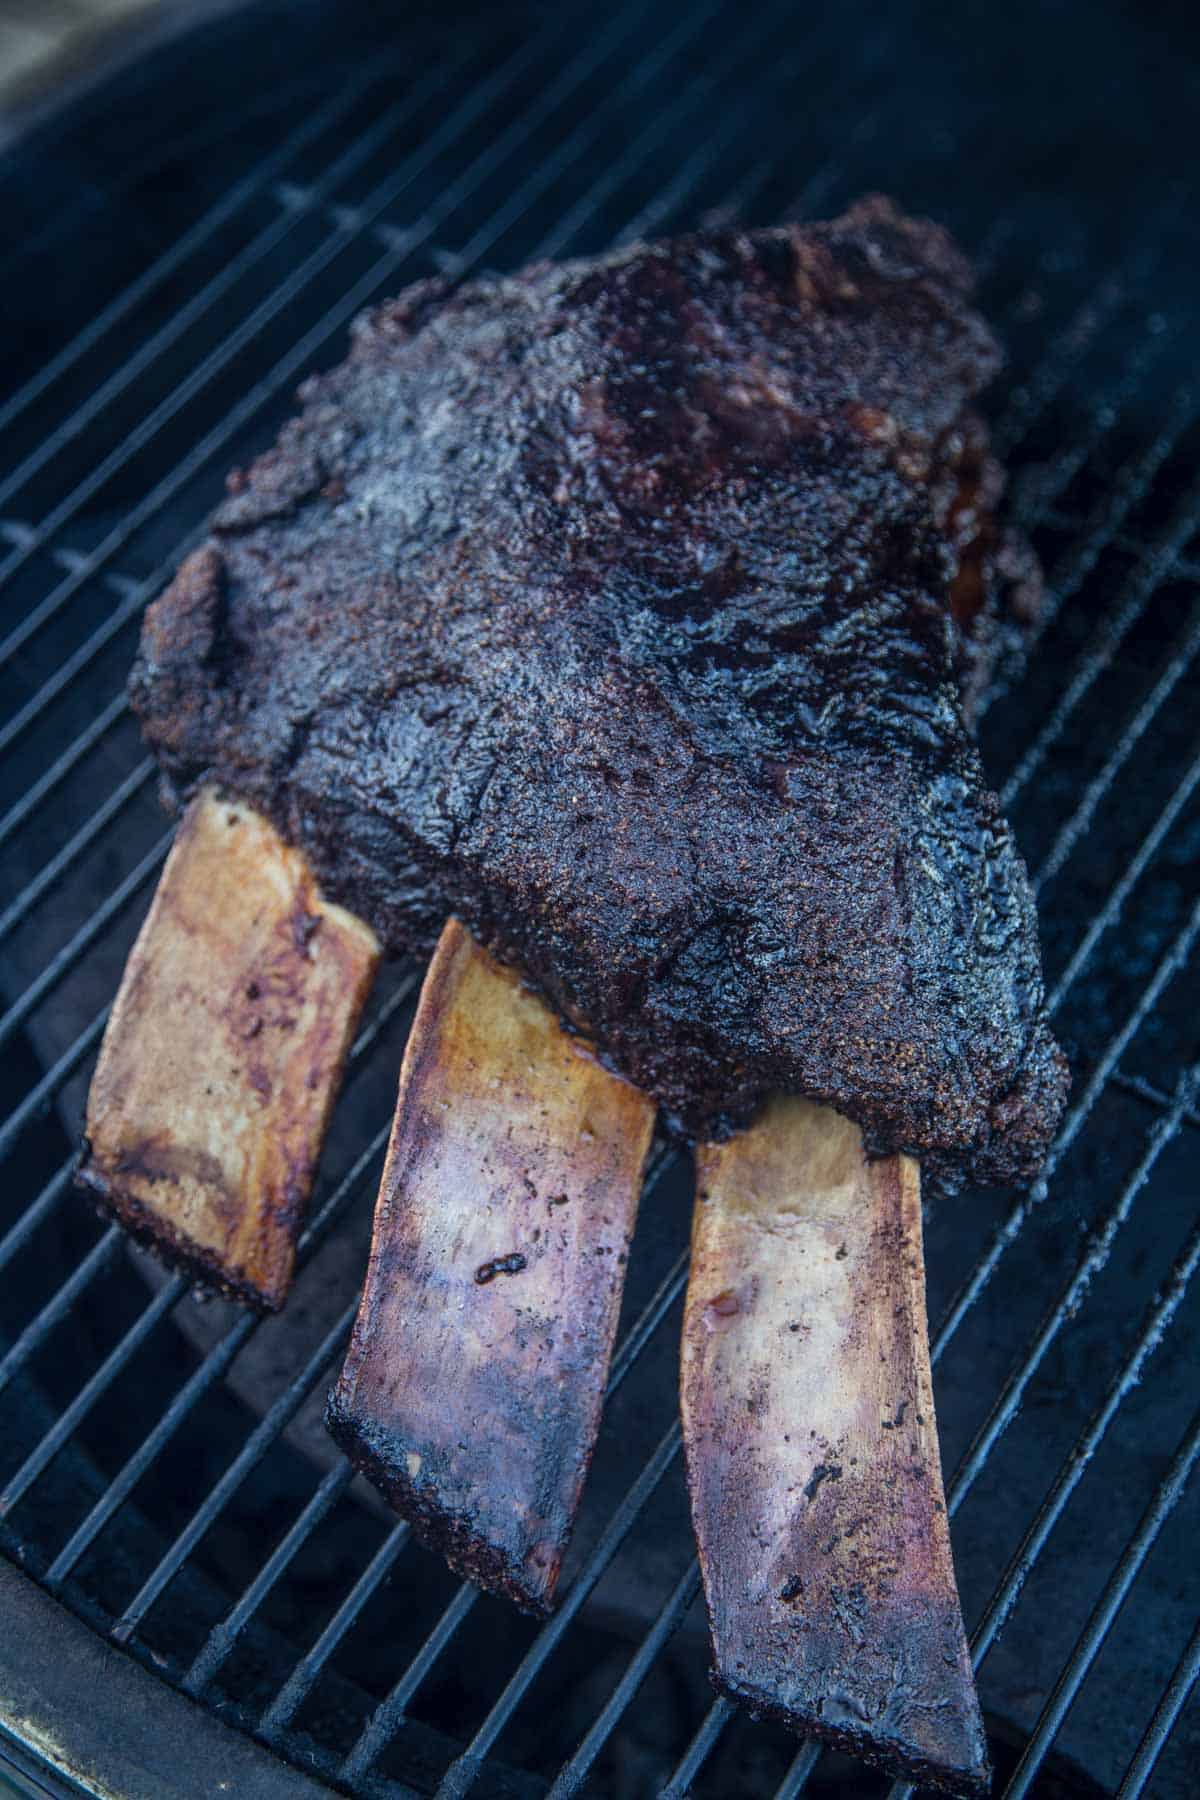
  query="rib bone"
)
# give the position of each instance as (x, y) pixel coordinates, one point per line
(472, 1389)
(812, 1449)
(224, 1054)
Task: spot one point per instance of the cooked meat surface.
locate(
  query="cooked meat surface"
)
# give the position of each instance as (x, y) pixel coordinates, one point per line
(629, 609)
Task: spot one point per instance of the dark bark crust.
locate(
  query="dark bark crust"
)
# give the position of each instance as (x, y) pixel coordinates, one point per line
(868, 1743)
(455, 1536)
(153, 1232)
(629, 610)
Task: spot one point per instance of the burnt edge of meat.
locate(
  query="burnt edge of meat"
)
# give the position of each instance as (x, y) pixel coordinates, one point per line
(870, 1745)
(451, 1535)
(621, 608)
(154, 1233)
(997, 592)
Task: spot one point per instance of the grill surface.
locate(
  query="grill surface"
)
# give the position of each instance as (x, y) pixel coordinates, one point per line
(171, 276)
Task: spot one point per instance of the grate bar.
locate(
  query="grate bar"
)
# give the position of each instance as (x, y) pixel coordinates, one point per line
(37, 1100)
(670, 1618)
(20, 1233)
(179, 321)
(1154, 1326)
(1146, 1090)
(65, 1425)
(1052, 481)
(1104, 524)
(1110, 912)
(1176, 668)
(1108, 638)
(40, 1095)
(666, 1292)
(1164, 1721)
(39, 1329)
(696, 166)
(732, 207)
(1009, 1588)
(655, 1311)
(699, 1750)
(1163, 1503)
(77, 947)
(638, 1336)
(53, 1311)
(127, 790)
(291, 364)
(488, 235)
(1032, 397)
(796, 1779)
(1174, 960)
(225, 1635)
(261, 1438)
(208, 1371)
(197, 1385)
(194, 239)
(692, 171)
(864, 132)
(59, 1183)
(387, 1718)
(1187, 568)
(374, 1028)
(1093, 1260)
(577, 216)
(294, 1691)
(84, 656)
(62, 766)
(85, 1521)
(464, 1772)
(300, 1682)
(384, 194)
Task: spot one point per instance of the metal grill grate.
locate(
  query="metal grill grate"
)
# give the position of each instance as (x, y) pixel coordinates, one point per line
(190, 1518)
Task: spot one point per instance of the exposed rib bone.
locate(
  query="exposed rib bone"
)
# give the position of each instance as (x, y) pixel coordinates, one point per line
(472, 1389)
(224, 1054)
(812, 1449)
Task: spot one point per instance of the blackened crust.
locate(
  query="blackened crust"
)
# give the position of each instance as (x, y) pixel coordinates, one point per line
(610, 607)
(456, 1536)
(155, 1233)
(869, 1744)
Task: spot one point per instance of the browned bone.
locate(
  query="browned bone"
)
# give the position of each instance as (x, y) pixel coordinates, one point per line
(812, 1450)
(224, 1053)
(472, 1389)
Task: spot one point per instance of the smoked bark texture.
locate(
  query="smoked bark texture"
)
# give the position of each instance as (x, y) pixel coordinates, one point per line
(472, 1389)
(812, 1450)
(630, 610)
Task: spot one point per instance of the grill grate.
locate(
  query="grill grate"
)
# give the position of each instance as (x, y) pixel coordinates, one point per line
(186, 1518)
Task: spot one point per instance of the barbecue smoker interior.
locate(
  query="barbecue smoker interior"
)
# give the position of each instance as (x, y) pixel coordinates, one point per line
(754, 560)
(167, 1486)
(606, 606)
